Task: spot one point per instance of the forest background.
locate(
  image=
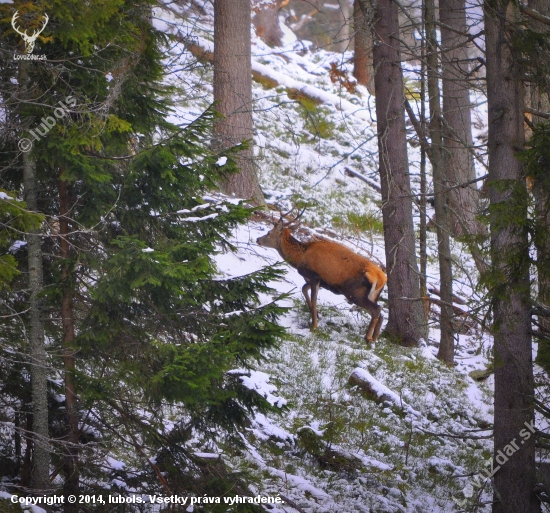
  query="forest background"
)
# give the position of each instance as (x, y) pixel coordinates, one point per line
(137, 348)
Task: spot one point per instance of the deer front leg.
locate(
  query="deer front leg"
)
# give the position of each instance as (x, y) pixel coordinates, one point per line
(312, 286)
(305, 291)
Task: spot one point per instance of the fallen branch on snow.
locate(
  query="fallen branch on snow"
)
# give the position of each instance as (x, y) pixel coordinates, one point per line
(372, 183)
(203, 50)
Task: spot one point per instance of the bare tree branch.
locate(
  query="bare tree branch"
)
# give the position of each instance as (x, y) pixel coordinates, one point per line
(534, 14)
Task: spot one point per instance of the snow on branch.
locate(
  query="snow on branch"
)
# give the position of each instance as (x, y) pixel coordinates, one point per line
(373, 388)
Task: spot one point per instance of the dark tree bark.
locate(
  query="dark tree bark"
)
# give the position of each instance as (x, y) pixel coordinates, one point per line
(342, 39)
(70, 464)
(464, 201)
(233, 93)
(362, 46)
(422, 204)
(439, 164)
(538, 99)
(405, 321)
(514, 387)
(40, 479)
(37, 349)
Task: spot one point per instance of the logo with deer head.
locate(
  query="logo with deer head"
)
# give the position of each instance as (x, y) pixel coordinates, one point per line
(29, 40)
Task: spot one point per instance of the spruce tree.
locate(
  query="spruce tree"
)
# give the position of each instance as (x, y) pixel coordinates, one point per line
(508, 279)
(142, 330)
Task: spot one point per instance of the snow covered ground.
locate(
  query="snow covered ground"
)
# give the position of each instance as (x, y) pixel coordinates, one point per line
(417, 436)
(335, 447)
(414, 438)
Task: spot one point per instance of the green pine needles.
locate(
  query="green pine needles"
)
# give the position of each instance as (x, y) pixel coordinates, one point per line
(136, 316)
(537, 163)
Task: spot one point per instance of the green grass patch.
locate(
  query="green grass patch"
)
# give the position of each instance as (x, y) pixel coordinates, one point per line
(316, 119)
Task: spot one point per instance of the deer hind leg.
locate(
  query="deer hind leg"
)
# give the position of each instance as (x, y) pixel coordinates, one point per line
(313, 286)
(375, 323)
(373, 331)
(378, 327)
(375, 312)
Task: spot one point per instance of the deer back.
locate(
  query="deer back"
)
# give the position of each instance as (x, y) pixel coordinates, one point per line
(339, 269)
(342, 269)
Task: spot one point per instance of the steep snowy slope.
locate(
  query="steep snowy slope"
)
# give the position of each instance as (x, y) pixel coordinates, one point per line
(411, 439)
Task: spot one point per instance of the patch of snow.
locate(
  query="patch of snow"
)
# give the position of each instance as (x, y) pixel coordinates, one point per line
(259, 381)
(17, 245)
(207, 455)
(115, 464)
(197, 219)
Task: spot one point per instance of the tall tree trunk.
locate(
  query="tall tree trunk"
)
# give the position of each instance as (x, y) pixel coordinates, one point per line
(70, 466)
(405, 305)
(233, 93)
(514, 386)
(342, 39)
(446, 344)
(422, 207)
(37, 348)
(459, 169)
(539, 101)
(362, 46)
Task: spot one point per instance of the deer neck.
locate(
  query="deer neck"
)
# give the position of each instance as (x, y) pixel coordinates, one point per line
(290, 248)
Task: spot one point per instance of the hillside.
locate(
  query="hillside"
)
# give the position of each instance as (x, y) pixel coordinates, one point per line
(334, 447)
(172, 366)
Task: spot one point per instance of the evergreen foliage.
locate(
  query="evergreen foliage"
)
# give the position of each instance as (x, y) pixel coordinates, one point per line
(15, 221)
(537, 163)
(157, 329)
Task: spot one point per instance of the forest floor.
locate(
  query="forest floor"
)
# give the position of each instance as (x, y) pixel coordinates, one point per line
(418, 437)
(332, 446)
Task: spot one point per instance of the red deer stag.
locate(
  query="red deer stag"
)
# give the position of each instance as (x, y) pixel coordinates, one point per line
(329, 265)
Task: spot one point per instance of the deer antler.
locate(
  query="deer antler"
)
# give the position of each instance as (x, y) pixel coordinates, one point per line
(283, 216)
(29, 40)
(293, 223)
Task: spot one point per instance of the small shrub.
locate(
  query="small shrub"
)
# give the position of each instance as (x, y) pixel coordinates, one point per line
(369, 222)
